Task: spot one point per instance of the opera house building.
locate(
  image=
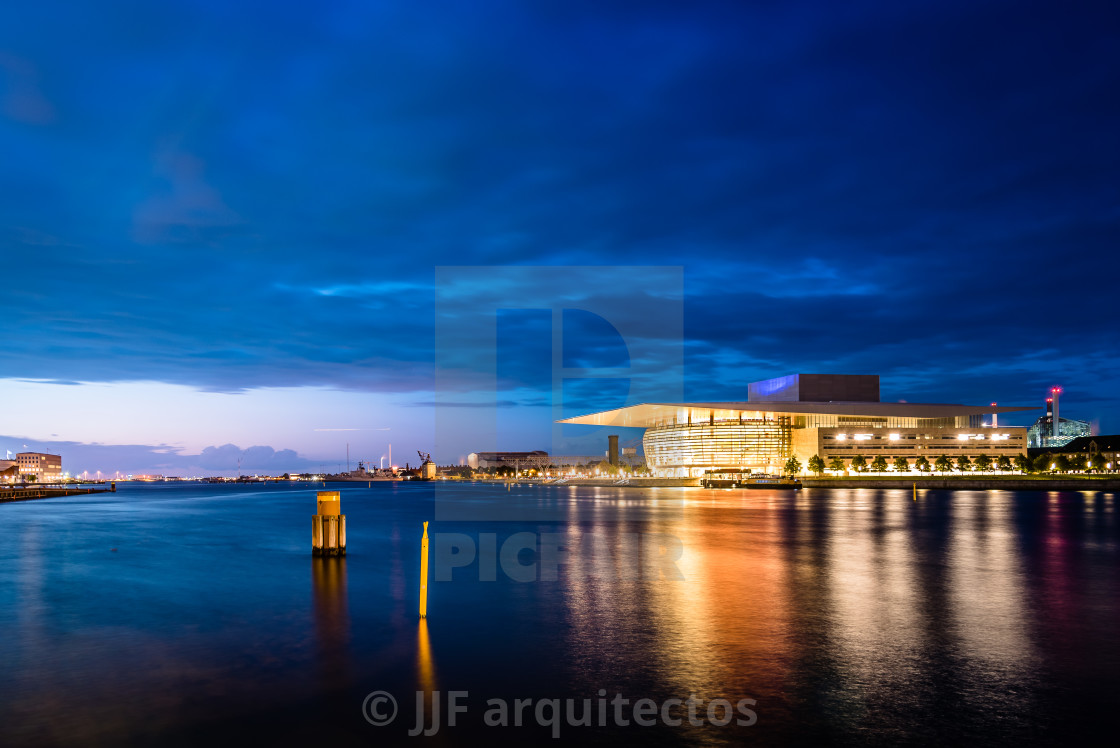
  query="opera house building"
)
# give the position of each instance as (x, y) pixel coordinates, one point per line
(802, 415)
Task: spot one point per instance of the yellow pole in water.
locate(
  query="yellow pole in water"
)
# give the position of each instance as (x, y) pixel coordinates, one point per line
(915, 492)
(424, 574)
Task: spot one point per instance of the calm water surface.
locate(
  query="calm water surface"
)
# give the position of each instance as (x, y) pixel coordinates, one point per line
(182, 614)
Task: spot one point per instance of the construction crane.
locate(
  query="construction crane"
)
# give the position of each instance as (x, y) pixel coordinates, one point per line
(424, 457)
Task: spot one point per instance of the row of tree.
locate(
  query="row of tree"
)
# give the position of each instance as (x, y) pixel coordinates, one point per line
(944, 464)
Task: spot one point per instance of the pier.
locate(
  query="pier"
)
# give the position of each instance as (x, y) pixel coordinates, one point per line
(27, 494)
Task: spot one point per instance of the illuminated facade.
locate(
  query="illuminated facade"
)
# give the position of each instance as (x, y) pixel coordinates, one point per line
(9, 471)
(833, 416)
(755, 443)
(43, 466)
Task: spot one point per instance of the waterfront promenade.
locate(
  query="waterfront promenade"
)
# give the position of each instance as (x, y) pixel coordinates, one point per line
(944, 482)
(973, 482)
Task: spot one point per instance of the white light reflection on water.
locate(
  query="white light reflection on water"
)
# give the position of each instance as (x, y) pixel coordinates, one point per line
(987, 597)
(878, 626)
(720, 632)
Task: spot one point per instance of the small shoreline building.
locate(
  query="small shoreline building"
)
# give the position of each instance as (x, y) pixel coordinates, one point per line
(9, 471)
(538, 459)
(1105, 448)
(802, 415)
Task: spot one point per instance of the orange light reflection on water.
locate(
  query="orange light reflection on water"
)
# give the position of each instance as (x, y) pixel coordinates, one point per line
(720, 632)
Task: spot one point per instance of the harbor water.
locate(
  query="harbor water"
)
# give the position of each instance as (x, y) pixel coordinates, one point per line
(186, 614)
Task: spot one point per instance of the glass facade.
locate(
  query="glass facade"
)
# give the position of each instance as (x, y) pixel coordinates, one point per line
(687, 450)
(1041, 433)
(764, 445)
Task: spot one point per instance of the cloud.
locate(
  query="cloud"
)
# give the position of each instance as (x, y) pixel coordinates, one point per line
(139, 459)
(184, 209)
(20, 96)
(240, 204)
(264, 459)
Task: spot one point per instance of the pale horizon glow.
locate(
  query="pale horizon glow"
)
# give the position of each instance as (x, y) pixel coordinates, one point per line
(187, 420)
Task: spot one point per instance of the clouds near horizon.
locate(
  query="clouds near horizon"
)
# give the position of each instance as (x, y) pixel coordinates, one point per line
(138, 459)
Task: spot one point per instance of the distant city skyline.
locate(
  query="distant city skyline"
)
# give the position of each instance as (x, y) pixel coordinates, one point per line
(222, 225)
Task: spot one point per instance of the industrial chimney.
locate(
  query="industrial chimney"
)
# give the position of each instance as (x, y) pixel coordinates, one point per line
(1055, 428)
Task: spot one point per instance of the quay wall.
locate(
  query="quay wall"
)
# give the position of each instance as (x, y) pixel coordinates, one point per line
(964, 483)
(28, 494)
(613, 482)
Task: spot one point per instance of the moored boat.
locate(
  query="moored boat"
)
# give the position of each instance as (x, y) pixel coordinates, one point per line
(744, 478)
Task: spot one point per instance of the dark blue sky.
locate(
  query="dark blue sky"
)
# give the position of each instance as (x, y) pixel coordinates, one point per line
(249, 201)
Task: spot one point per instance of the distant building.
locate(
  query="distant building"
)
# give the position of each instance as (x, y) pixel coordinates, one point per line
(517, 460)
(539, 460)
(1041, 434)
(45, 467)
(627, 457)
(1106, 448)
(833, 416)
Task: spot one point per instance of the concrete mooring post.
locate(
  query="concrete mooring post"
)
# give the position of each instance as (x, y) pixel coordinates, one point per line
(328, 526)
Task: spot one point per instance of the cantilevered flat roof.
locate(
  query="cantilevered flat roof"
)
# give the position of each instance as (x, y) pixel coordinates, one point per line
(652, 414)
